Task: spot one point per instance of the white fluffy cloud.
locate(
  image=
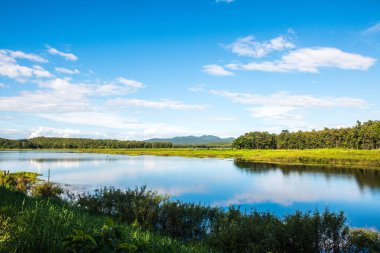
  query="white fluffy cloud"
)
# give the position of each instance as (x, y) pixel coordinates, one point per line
(131, 128)
(54, 132)
(216, 70)
(11, 69)
(247, 46)
(162, 104)
(66, 56)
(80, 103)
(310, 60)
(61, 95)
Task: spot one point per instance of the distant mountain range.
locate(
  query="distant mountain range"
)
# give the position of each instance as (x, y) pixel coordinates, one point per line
(193, 140)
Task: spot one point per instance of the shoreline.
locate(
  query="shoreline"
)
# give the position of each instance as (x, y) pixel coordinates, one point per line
(341, 158)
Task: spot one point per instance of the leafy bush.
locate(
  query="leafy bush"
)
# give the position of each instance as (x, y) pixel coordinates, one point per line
(47, 190)
(22, 181)
(231, 231)
(364, 241)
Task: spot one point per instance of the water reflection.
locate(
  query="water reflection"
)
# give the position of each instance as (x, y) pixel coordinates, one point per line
(365, 178)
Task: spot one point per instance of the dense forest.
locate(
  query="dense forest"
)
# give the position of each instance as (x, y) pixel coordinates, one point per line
(361, 136)
(72, 143)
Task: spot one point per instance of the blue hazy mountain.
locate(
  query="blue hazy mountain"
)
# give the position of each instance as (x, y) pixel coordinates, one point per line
(191, 140)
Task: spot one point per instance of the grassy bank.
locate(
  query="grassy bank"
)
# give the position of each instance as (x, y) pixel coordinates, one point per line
(30, 224)
(334, 157)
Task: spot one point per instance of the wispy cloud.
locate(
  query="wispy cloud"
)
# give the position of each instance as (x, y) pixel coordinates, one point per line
(67, 71)
(285, 109)
(310, 60)
(216, 70)
(197, 88)
(287, 99)
(120, 86)
(130, 83)
(161, 104)
(224, 1)
(222, 118)
(373, 29)
(27, 56)
(11, 69)
(247, 46)
(66, 56)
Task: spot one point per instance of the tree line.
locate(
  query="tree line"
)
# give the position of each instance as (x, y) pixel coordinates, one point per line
(361, 136)
(73, 143)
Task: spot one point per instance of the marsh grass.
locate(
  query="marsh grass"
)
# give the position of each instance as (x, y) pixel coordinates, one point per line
(365, 159)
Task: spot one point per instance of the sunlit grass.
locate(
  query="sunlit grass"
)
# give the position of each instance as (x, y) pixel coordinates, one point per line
(335, 157)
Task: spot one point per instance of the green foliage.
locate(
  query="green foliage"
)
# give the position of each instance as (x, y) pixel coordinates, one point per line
(256, 140)
(36, 225)
(47, 190)
(22, 181)
(75, 143)
(151, 211)
(29, 224)
(231, 231)
(364, 241)
(362, 136)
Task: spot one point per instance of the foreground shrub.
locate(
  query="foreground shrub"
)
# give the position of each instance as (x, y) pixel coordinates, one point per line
(47, 190)
(21, 181)
(364, 241)
(30, 224)
(231, 231)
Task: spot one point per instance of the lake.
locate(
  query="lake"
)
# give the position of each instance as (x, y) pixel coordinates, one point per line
(223, 182)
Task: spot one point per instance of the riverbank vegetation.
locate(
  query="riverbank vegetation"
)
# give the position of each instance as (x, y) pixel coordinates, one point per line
(355, 147)
(140, 220)
(369, 159)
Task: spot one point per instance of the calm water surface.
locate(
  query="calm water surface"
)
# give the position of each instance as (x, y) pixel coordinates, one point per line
(222, 182)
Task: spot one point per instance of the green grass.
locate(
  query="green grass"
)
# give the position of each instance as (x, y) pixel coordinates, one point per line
(369, 159)
(345, 158)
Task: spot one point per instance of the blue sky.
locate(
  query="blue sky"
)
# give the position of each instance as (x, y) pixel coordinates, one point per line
(142, 69)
